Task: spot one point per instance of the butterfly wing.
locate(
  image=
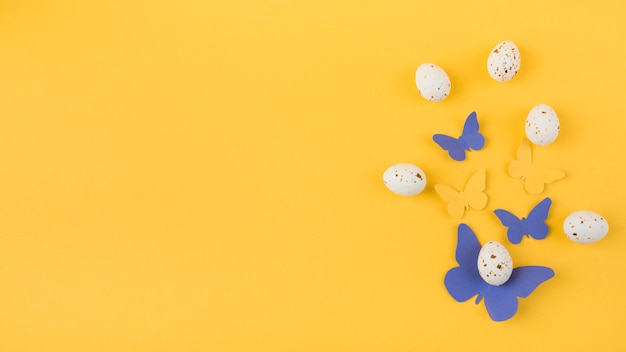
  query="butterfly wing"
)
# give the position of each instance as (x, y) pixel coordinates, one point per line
(535, 223)
(515, 226)
(549, 175)
(474, 195)
(454, 146)
(463, 282)
(456, 206)
(501, 303)
(537, 178)
(522, 167)
(467, 247)
(519, 169)
(471, 138)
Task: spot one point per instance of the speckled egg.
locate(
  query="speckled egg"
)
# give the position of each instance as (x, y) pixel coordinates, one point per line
(405, 179)
(503, 61)
(585, 227)
(542, 125)
(432, 82)
(495, 265)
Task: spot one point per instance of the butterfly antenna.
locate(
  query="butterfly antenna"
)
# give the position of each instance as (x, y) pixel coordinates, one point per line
(479, 297)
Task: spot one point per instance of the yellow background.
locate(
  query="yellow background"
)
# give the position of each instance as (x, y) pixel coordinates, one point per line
(207, 175)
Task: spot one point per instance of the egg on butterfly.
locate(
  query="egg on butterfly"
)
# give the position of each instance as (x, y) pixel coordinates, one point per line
(405, 179)
(585, 227)
(542, 125)
(504, 61)
(495, 265)
(500, 290)
(432, 82)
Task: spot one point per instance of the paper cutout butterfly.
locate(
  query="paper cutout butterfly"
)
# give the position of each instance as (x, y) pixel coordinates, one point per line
(470, 197)
(470, 139)
(464, 282)
(534, 178)
(533, 226)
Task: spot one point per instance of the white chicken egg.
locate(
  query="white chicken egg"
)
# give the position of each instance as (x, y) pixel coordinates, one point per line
(432, 82)
(405, 179)
(504, 61)
(585, 227)
(495, 265)
(542, 125)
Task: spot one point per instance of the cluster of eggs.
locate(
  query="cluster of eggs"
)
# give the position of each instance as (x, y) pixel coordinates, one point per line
(495, 264)
(503, 63)
(542, 128)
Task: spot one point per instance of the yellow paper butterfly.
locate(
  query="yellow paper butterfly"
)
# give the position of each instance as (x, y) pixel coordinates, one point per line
(534, 178)
(471, 197)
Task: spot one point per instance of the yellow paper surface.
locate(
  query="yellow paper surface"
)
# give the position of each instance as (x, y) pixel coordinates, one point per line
(207, 175)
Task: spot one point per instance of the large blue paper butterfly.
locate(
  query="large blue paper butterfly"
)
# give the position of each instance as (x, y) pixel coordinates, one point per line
(464, 282)
(534, 225)
(470, 139)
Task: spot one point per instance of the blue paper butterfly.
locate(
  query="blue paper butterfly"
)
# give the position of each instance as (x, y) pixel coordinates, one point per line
(534, 225)
(470, 139)
(464, 282)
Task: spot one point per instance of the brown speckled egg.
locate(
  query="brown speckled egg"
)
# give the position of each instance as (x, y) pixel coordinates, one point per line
(405, 179)
(542, 125)
(504, 61)
(585, 227)
(495, 265)
(432, 82)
